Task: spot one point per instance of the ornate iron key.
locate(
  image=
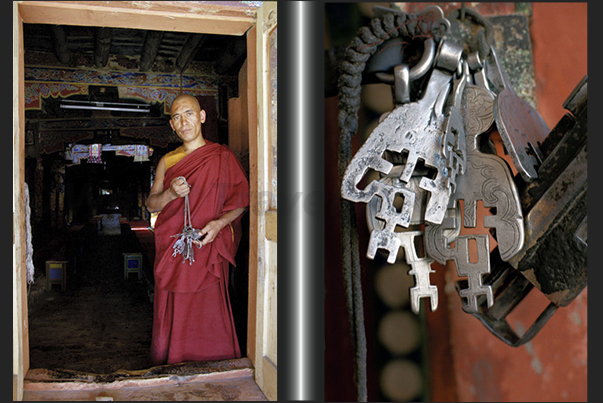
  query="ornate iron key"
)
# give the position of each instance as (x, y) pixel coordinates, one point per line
(417, 128)
(554, 256)
(520, 125)
(488, 179)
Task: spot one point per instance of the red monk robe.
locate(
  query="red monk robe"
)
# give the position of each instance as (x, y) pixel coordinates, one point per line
(192, 315)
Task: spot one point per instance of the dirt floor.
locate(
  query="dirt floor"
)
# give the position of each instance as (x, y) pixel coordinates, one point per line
(101, 322)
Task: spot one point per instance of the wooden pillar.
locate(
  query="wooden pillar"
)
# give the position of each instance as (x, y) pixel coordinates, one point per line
(238, 120)
(20, 324)
(253, 185)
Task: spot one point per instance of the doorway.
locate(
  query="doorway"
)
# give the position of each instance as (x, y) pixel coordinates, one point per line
(235, 20)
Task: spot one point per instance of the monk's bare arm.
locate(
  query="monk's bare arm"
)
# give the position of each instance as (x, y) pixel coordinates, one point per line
(158, 198)
(214, 227)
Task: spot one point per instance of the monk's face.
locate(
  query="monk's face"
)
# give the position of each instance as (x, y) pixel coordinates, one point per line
(187, 118)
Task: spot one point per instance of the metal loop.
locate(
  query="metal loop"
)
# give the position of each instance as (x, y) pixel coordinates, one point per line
(419, 69)
(485, 38)
(449, 55)
(474, 61)
(422, 67)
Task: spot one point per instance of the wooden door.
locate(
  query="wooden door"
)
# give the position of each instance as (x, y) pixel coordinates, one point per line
(264, 203)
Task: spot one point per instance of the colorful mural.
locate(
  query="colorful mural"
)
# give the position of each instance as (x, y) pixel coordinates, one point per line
(128, 78)
(34, 91)
(43, 82)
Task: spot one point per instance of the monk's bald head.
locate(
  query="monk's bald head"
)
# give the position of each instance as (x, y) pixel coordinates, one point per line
(185, 98)
(186, 120)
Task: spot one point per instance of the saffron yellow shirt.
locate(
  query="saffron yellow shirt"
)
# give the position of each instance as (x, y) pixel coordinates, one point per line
(173, 157)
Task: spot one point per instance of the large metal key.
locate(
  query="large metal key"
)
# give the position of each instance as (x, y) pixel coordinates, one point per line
(520, 125)
(488, 179)
(420, 267)
(415, 128)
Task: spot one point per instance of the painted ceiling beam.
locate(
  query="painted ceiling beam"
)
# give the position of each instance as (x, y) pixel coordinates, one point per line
(149, 51)
(188, 51)
(60, 44)
(102, 46)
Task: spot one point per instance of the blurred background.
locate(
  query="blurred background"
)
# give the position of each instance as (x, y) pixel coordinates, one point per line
(448, 355)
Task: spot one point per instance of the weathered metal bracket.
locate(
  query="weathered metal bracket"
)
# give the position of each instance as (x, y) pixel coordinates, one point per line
(554, 255)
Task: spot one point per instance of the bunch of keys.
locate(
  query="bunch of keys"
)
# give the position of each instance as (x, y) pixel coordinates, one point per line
(184, 245)
(438, 162)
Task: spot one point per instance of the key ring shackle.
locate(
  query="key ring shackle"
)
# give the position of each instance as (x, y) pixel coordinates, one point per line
(485, 36)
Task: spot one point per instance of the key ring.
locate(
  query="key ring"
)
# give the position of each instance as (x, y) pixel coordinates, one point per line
(485, 37)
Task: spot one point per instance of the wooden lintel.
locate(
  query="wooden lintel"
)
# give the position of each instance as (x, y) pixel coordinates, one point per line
(164, 16)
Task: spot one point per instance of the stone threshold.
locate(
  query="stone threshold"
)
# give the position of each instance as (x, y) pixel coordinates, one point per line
(206, 371)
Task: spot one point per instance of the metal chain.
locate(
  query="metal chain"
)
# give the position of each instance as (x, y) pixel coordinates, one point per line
(187, 212)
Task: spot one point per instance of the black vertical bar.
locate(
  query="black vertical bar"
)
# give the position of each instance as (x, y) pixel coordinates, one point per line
(287, 254)
(301, 201)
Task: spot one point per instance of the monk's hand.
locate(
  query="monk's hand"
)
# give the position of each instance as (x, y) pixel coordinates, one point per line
(179, 187)
(210, 231)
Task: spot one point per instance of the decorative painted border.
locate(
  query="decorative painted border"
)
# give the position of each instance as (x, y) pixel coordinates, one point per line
(34, 91)
(43, 82)
(128, 78)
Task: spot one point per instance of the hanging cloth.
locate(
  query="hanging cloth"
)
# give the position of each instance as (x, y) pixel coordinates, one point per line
(94, 156)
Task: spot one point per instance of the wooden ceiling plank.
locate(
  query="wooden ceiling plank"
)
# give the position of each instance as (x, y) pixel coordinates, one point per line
(171, 16)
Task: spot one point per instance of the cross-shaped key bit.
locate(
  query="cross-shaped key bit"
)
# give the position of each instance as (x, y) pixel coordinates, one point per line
(420, 267)
(438, 248)
(474, 271)
(487, 178)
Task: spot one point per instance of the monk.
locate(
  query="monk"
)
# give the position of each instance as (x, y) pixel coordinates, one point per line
(192, 318)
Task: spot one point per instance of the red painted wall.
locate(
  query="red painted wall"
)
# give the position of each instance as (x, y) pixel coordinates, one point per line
(553, 366)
